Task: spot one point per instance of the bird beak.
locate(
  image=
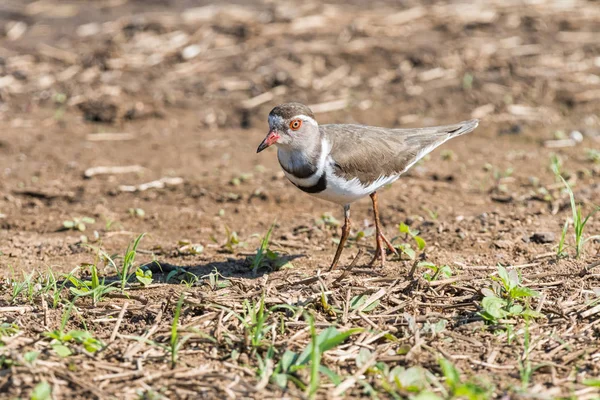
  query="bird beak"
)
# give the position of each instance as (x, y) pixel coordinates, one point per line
(271, 138)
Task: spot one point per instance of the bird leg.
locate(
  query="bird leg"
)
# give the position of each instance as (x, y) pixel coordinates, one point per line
(345, 233)
(379, 236)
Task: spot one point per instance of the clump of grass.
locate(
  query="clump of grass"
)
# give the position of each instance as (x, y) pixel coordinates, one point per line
(579, 223)
(507, 297)
(265, 257)
(94, 287)
(175, 342)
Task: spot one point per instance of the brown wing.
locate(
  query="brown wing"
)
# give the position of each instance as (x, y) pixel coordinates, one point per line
(369, 152)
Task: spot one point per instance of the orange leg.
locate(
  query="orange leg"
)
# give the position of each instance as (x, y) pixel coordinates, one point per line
(345, 233)
(379, 236)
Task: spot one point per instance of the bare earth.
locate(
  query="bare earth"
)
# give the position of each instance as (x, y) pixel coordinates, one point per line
(185, 87)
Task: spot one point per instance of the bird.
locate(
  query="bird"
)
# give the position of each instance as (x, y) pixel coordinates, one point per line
(342, 163)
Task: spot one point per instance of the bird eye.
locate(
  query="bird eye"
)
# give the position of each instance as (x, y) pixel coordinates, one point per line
(295, 124)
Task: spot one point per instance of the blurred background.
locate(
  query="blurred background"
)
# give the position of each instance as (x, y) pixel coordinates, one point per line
(99, 97)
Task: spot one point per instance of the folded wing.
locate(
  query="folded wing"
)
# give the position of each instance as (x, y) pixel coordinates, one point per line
(369, 153)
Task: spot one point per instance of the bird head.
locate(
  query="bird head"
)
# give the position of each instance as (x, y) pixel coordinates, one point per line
(292, 125)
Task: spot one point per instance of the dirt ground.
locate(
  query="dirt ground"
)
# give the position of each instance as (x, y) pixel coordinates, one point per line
(177, 92)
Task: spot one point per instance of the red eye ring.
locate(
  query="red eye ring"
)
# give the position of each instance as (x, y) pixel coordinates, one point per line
(295, 124)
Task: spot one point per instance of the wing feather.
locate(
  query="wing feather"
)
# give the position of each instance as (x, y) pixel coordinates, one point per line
(369, 153)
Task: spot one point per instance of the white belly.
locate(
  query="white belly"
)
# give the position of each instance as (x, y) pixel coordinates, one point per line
(341, 191)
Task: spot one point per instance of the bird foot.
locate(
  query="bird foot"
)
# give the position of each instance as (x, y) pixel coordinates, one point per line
(380, 251)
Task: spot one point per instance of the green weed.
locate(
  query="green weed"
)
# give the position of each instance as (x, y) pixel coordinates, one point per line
(291, 363)
(61, 339)
(265, 257)
(435, 272)
(460, 389)
(41, 391)
(406, 248)
(593, 155)
(579, 222)
(507, 297)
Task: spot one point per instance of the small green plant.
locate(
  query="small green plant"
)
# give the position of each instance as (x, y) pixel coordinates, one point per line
(593, 155)
(435, 272)
(291, 363)
(578, 221)
(143, 276)
(61, 339)
(254, 320)
(79, 224)
(460, 389)
(556, 164)
(7, 330)
(263, 254)
(498, 176)
(360, 302)
(41, 391)
(127, 270)
(94, 287)
(216, 280)
(560, 251)
(328, 221)
(176, 342)
(406, 248)
(265, 257)
(507, 297)
(187, 247)
(18, 287)
(232, 242)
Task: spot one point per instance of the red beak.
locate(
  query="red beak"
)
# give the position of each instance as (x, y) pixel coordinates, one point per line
(271, 138)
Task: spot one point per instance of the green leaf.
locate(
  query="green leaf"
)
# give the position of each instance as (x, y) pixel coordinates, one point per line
(62, 350)
(406, 249)
(363, 356)
(403, 228)
(358, 301)
(494, 306)
(521, 291)
(412, 379)
(420, 242)
(333, 377)
(594, 382)
(280, 380)
(503, 274)
(69, 224)
(144, 277)
(515, 309)
(326, 340)
(41, 391)
(31, 356)
(288, 358)
(532, 314)
(450, 373)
